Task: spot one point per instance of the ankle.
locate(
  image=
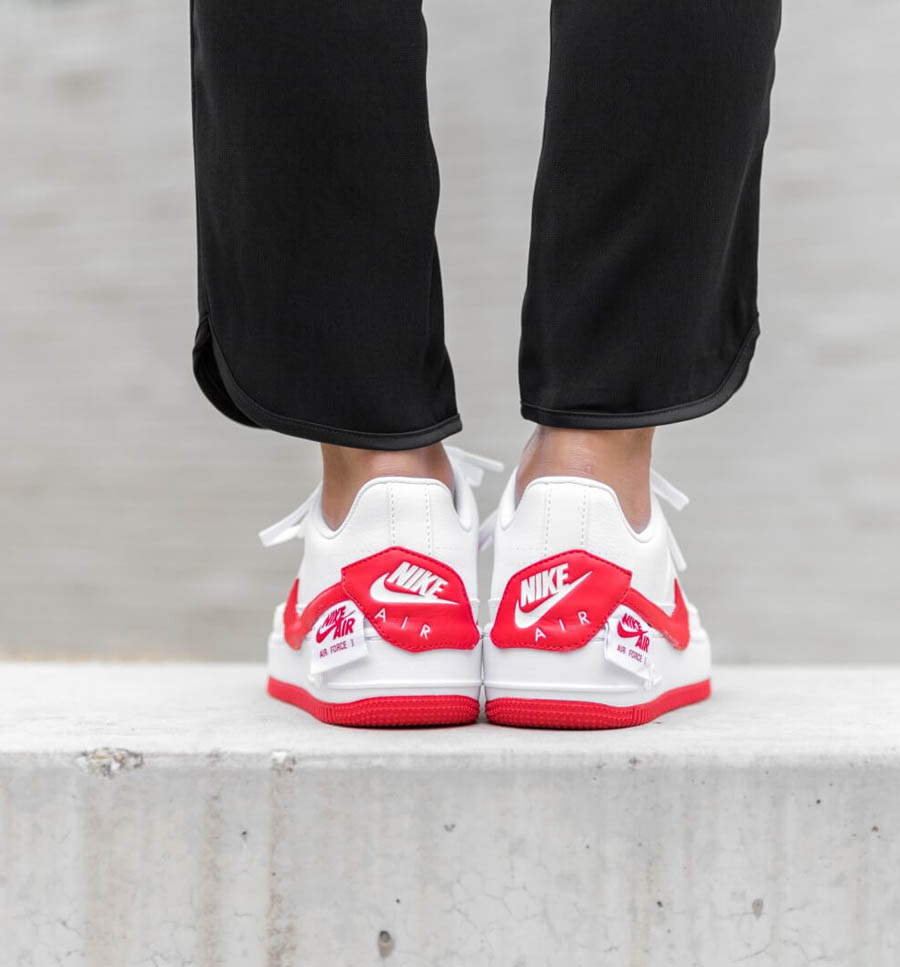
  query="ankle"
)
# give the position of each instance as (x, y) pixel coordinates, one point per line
(618, 458)
(346, 469)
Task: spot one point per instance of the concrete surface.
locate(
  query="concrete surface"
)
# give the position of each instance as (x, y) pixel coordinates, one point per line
(174, 815)
(129, 508)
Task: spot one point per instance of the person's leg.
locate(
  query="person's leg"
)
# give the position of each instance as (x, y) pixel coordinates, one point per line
(321, 317)
(641, 308)
(317, 187)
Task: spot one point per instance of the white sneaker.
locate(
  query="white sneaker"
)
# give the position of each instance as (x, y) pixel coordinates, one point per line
(379, 628)
(589, 626)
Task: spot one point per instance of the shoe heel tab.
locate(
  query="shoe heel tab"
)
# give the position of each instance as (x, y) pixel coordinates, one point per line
(569, 488)
(393, 487)
(536, 493)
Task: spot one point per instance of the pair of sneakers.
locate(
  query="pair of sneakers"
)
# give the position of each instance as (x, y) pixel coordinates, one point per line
(588, 629)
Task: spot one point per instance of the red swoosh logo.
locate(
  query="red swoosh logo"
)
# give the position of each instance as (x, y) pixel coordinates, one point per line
(626, 632)
(675, 626)
(298, 626)
(321, 636)
(293, 624)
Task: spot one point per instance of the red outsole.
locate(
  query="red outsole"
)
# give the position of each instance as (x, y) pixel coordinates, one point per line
(542, 713)
(388, 711)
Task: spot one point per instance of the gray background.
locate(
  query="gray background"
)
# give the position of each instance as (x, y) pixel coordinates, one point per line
(128, 506)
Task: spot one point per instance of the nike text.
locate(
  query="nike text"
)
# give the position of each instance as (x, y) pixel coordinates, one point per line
(544, 583)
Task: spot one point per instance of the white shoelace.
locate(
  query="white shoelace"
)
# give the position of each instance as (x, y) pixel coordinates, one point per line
(677, 500)
(471, 465)
(291, 526)
(658, 485)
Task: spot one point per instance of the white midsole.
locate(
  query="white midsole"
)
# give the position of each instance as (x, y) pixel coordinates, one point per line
(585, 674)
(385, 670)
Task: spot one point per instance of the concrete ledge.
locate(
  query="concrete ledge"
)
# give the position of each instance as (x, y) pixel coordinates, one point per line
(174, 814)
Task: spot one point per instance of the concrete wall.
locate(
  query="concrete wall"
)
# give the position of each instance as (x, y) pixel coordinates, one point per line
(128, 507)
(233, 830)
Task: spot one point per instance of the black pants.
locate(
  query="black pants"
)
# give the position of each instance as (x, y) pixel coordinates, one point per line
(317, 187)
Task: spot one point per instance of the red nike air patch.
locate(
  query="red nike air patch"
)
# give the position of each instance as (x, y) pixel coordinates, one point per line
(412, 600)
(559, 603)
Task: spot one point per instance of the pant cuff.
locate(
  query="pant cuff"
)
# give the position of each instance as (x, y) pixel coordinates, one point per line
(221, 389)
(678, 413)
